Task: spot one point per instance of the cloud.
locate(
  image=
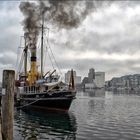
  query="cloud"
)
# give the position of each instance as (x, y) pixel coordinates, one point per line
(10, 34)
(109, 36)
(107, 40)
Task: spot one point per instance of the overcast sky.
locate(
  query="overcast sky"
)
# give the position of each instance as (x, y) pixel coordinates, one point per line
(107, 40)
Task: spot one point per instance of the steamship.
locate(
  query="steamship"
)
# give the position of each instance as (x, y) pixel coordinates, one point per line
(36, 90)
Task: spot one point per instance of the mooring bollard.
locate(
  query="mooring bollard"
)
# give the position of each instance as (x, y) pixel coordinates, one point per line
(8, 84)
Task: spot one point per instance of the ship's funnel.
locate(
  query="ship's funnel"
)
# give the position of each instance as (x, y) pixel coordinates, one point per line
(32, 75)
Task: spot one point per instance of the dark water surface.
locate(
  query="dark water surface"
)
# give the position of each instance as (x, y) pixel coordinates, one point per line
(94, 115)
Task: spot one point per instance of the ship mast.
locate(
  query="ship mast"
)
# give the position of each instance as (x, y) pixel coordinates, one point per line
(25, 58)
(42, 28)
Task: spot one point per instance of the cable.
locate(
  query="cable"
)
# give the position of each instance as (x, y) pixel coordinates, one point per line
(52, 53)
(28, 104)
(21, 61)
(49, 56)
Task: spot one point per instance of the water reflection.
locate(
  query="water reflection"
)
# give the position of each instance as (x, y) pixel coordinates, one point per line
(126, 91)
(49, 125)
(95, 93)
(96, 117)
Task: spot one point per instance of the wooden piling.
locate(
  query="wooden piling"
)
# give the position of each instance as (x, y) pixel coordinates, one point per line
(8, 104)
(0, 132)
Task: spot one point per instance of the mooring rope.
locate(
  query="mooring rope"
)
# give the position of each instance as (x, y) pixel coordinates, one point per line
(28, 104)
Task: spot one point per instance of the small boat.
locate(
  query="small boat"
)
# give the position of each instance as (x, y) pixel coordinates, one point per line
(35, 89)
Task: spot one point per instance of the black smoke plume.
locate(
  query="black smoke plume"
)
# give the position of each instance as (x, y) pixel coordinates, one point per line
(60, 13)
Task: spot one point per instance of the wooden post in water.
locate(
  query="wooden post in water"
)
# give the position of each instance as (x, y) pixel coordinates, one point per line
(8, 84)
(0, 130)
(0, 122)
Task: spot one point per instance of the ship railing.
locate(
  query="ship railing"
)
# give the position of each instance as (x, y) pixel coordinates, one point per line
(31, 89)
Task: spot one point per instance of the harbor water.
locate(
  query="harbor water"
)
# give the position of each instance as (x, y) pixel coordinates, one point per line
(94, 115)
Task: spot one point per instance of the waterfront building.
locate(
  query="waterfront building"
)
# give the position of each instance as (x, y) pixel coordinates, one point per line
(127, 82)
(100, 79)
(91, 75)
(94, 80)
(67, 76)
(91, 85)
(85, 80)
(77, 79)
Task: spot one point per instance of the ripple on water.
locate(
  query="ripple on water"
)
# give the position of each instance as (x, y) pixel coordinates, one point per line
(107, 117)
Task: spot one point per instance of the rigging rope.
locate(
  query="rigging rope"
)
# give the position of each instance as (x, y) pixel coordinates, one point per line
(49, 56)
(21, 61)
(52, 52)
(18, 52)
(18, 66)
(28, 104)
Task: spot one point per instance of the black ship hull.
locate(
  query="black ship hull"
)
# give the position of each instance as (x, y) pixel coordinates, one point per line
(44, 101)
